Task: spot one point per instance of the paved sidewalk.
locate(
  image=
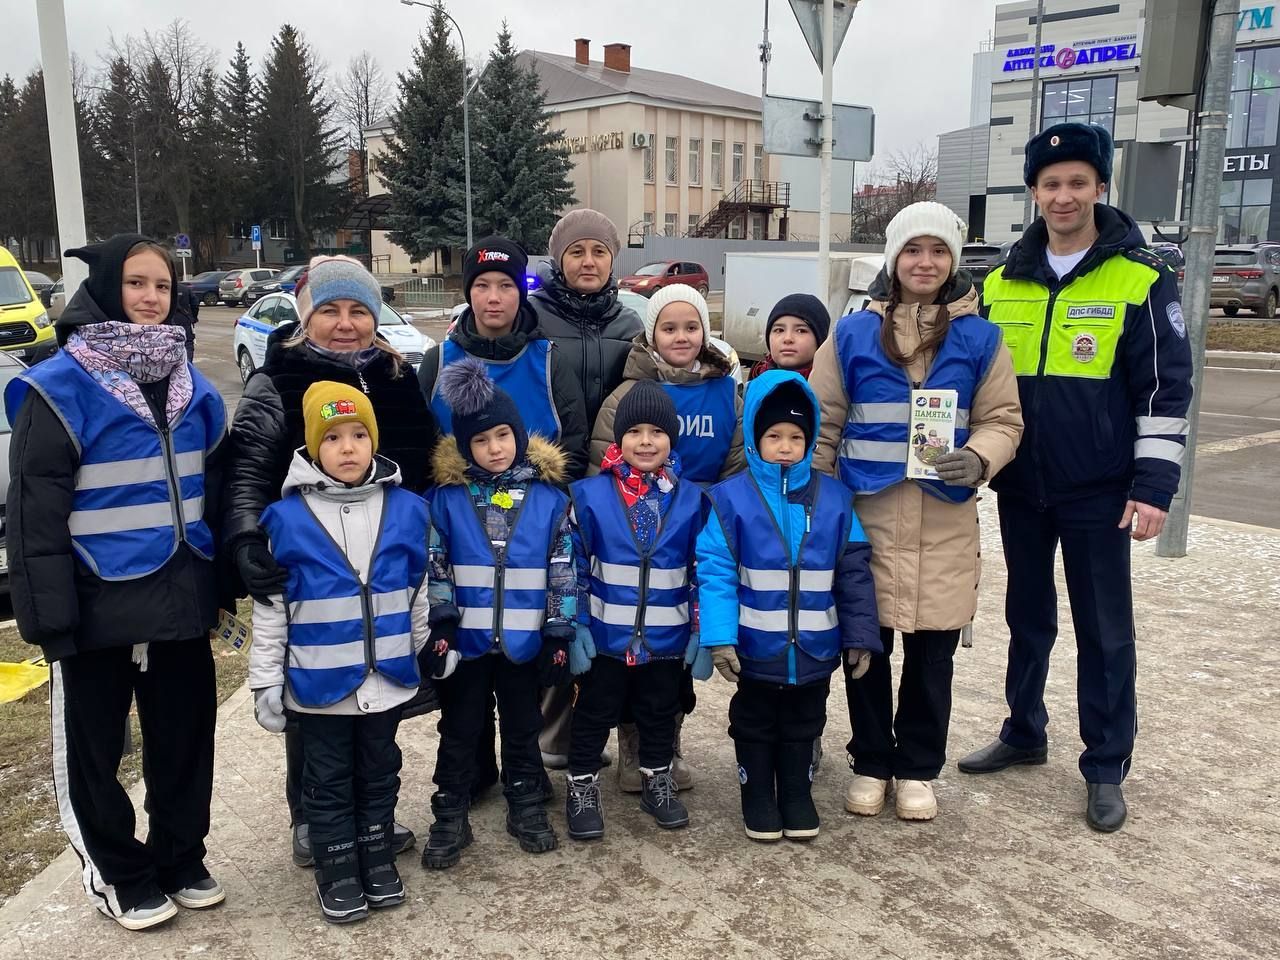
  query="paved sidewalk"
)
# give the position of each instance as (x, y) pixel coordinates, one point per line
(1009, 868)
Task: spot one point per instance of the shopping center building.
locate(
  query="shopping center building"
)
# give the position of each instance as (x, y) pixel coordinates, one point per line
(1090, 57)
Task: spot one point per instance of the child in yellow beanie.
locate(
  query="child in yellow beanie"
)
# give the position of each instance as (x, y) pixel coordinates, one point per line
(340, 648)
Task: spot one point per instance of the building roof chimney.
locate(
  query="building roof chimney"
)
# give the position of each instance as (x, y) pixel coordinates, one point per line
(582, 51)
(617, 56)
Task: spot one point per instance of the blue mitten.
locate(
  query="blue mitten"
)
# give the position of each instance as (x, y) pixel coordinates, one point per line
(698, 659)
(582, 651)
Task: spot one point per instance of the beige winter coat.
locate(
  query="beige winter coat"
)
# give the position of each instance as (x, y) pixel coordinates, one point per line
(644, 364)
(925, 552)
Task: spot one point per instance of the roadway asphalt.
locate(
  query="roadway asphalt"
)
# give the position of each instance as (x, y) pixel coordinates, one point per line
(1238, 445)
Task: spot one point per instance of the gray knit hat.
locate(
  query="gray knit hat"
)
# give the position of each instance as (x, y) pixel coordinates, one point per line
(338, 278)
(582, 224)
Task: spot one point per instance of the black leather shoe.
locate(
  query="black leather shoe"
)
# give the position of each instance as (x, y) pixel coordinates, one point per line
(997, 755)
(1106, 810)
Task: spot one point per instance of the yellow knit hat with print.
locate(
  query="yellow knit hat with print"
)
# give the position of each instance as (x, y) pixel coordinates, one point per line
(327, 403)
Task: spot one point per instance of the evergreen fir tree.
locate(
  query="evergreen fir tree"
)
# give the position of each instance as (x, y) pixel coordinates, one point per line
(422, 166)
(111, 195)
(215, 203)
(29, 181)
(297, 142)
(237, 114)
(520, 179)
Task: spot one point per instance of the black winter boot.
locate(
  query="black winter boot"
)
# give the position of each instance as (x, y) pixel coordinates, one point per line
(338, 885)
(759, 801)
(378, 873)
(795, 784)
(450, 833)
(659, 797)
(582, 807)
(526, 819)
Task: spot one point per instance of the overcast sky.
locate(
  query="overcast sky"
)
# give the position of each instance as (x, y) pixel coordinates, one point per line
(909, 59)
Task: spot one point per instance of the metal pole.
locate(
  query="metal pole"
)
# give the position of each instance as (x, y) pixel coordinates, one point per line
(1211, 143)
(766, 52)
(1033, 125)
(466, 124)
(64, 147)
(824, 163)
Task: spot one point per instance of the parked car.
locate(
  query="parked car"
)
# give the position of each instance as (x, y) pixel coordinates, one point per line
(1246, 276)
(279, 282)
(25, 327)
(978, 259)
(40, 282)
(1170, 253)
(654, 276)
(10, 367)
(55, 300)
(255, 325)
(232, 287)
(204, 286)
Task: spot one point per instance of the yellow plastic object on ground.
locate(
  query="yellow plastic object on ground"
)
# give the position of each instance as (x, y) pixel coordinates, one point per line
(19, 679)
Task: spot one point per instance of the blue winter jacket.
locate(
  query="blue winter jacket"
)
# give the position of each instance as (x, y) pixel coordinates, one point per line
(792, 496)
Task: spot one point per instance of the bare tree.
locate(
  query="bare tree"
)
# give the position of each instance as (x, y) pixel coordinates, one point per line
(364, 97)
(907, 177)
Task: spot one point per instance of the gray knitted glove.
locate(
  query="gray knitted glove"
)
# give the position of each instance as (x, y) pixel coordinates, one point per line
(960, 468)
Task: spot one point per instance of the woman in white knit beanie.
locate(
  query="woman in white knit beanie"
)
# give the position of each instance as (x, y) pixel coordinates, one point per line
(921, 331)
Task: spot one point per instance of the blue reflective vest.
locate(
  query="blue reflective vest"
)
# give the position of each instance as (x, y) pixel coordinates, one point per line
(708, 417)
(526, 378)
(340, 628)
(502, 603)
(634, 594)
(876, 440)
(139, 492)
(779, 602)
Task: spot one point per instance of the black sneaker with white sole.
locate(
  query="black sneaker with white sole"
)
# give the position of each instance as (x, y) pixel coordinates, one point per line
(150, 913)
(200, 895)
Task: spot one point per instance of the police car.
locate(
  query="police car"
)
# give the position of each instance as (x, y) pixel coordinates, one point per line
(255, 325)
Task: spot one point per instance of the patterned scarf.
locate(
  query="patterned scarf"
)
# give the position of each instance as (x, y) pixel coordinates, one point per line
(645, 494)
(119, 356)
(767, 364)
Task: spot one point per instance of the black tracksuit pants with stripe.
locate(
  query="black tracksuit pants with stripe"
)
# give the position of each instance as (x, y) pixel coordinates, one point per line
(177, 708)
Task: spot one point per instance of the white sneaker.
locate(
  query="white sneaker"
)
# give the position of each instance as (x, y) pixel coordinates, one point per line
(200, 895)
(865, 796)
(149, 913)
(916, 800)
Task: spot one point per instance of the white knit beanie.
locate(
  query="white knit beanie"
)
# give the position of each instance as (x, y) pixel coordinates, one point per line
(676, 293)
(924, 219)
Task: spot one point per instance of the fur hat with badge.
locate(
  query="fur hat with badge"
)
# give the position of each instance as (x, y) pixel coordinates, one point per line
(499, 255)
(327, 404)
(927, 218)
(478, 404)
(1063, 142)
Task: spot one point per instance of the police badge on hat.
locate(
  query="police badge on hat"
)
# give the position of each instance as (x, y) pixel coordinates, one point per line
(1084, 347)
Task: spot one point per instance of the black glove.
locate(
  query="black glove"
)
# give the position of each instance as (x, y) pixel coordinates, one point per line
(258, 569)
(433, 657)
(553, 660)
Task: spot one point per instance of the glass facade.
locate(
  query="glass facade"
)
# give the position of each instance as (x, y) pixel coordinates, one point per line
(1255, 98)
(1244, 213)
(1082, 100)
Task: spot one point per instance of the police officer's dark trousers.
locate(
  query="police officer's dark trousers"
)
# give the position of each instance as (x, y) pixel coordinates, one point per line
(350, 776)
(1095, 559)
(90, 695)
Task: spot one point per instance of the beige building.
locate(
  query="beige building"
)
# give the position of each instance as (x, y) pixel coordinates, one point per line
(655, 152)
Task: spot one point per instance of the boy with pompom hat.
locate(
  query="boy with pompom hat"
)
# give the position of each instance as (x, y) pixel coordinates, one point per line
(503, 594)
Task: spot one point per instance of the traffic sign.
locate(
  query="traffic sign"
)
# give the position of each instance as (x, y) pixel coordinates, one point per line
(256, 236)
(809, 16)
(794, 128)
(182, 253)
(182, 242)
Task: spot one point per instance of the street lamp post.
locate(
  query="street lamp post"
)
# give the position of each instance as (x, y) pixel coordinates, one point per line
(133, 136)
(466, 120)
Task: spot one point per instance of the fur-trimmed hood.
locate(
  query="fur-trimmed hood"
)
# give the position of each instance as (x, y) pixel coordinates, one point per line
(448, 466)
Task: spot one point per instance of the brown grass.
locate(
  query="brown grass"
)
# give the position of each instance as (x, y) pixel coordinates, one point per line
(30, 832)
(1256, 335)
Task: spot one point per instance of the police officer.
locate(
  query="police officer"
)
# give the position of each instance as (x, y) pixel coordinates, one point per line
(1092, 320)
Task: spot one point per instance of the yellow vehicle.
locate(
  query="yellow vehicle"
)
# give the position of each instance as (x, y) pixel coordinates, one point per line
(25, 327)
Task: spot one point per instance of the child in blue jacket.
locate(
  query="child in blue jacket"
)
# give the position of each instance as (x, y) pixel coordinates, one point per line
(636, 527)
(785, 588)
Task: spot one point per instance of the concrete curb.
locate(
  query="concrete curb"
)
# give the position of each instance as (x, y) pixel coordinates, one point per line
(1242, 360)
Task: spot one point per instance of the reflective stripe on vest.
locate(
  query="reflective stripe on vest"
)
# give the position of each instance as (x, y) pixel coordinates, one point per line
(876, 440)
(500, 604)
(526, 378)
(341, 629)
(708, 416)
(138, 492)
(635, 596)
(781, 600)
(1086, 324)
